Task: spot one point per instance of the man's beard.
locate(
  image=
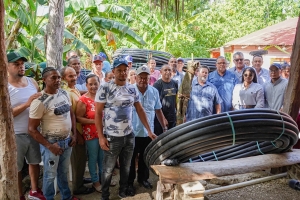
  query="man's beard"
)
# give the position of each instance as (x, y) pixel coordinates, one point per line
(202, 78)
(20, 75)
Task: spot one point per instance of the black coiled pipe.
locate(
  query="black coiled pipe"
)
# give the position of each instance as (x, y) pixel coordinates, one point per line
(257, 131)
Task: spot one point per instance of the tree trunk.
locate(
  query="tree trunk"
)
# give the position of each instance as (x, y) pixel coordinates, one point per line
(55, 28)
(291, 101)
(8, 155)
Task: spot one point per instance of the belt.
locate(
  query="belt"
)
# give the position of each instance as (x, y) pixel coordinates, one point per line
(247, 106)
(56, 137)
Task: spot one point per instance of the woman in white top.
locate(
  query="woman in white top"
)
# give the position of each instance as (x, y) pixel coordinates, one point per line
(249, 93)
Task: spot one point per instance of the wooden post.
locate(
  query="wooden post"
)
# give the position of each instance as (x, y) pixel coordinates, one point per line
(8, 155)
(291, 102)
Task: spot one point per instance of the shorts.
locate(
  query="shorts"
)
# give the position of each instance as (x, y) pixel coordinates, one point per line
(27, 148)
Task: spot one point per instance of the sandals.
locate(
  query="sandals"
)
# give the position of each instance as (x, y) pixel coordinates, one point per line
(113, 183)
(98, 188)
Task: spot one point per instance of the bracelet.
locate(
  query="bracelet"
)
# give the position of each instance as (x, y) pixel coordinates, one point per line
(165, 128)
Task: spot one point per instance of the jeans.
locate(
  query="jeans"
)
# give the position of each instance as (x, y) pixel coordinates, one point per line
(56, 166)
(121, 147)
(143, 172)
(95, 154)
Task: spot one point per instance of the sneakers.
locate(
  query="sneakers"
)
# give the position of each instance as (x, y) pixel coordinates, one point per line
(38, 195)
(130, 190)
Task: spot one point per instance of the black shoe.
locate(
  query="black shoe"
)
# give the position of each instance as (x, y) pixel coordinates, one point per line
(146, 184)
(87, 180)
(84, 190)
(130, 190)
(122, 194)
(295, 184)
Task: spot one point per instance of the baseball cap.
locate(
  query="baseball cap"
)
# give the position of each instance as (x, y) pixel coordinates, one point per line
(142, 69)
(98, 57)
(128, 58)
(14, 56)
(119, 61)
(180, 59)
(276, 65)
(103, 55)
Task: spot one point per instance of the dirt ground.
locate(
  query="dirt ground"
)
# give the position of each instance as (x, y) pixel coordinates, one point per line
(272, 190)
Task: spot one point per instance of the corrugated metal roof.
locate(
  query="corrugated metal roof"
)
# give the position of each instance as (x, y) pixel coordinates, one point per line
(282, 33)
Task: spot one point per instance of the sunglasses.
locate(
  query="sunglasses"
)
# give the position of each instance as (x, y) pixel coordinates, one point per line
(247, 75)
(221, 63)
(241, 59)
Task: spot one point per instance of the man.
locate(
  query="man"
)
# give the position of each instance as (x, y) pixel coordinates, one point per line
(177, 76)
(149, 98)
(263, 75)
(238, 58)
(275, 88)
(167, 89)
(22, 91)
(78, 155)
(204, 97)
(116, 100)
(75, 63)
(224, 81)
(247, 62)
(71, 54)
(106, 65)
(53, 113)
(129, 60)
(97, 67)
(180, 64)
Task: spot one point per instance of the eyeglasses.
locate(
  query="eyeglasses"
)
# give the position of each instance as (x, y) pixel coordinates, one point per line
(221, 63)
(241, 59)
(247, 75)
(274, 71)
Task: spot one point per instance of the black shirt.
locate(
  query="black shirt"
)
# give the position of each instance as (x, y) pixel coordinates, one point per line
(167, 94)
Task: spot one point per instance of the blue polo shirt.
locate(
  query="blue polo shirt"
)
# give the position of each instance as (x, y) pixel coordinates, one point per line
(225, 85)
(202, 100)
(178, 77)
(150, 102)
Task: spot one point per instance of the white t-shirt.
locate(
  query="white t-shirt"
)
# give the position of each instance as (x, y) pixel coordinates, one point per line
(54, 112)
(119, 102)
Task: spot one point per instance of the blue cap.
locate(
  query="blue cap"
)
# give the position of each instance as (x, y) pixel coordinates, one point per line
(128, 58)
(102, 55)
(119, 61)
(276, 65)
(180, 59)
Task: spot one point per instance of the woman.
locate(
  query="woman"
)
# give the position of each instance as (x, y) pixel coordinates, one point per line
(85, 114)
(249, 93)
(131, 76)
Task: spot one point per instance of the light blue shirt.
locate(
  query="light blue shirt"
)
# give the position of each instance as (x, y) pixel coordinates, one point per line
(202, 100)
(263, 76)
(150, 102)
(237, 73)
(225, 85)
(178, 77)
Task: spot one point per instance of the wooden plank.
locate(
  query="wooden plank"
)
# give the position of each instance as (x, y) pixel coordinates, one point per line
(291, 102)
(188, 172)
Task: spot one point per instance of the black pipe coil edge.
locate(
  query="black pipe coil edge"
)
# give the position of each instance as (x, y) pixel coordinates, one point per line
(140, 56)
(257, 131)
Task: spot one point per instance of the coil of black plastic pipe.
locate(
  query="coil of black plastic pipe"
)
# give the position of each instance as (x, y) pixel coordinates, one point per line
(236, 134)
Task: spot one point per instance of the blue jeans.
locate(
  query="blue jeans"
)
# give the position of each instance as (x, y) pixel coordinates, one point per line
(121, 147)
(95, 154)
(56, 166)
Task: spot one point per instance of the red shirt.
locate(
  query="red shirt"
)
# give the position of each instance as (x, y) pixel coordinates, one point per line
(89, 130)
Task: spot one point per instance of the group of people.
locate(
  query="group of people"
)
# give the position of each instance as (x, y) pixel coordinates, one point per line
(112, 114)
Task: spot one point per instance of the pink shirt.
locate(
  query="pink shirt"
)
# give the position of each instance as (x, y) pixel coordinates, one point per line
(156, 74)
